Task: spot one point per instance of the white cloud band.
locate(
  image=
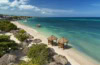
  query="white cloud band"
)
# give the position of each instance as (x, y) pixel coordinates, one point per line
(23, 5)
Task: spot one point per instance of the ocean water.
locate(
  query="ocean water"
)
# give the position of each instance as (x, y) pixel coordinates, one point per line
(82, 32)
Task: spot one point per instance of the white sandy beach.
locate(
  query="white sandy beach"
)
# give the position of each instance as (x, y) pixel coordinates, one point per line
(73, 56)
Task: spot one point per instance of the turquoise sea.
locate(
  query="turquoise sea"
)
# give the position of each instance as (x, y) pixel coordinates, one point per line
(82, 32)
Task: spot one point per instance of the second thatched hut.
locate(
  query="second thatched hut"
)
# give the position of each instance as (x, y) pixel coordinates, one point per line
(62, 41)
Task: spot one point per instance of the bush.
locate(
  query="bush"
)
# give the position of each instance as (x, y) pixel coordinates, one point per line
(27, 63)
(7, 26)
(39, 54)
(21, 35)
(6, 45)
(4, 38)
(21, 31)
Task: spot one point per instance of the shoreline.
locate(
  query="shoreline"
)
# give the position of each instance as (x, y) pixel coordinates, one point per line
(74, 57)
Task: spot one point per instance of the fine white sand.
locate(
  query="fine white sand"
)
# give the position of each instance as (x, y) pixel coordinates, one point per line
(13, 38)
(73, 56)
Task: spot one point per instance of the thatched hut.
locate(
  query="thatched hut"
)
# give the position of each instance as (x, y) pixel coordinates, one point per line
(51, 39)
(62, 41)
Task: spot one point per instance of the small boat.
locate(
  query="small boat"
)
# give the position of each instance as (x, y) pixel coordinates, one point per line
(25, 21)
(38, 25)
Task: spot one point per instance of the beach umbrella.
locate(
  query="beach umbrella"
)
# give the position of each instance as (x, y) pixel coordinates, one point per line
(63, 40)
(37, 41)
(52, 37)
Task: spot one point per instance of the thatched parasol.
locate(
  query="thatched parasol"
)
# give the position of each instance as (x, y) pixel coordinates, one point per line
(52, 37)
(63, 40)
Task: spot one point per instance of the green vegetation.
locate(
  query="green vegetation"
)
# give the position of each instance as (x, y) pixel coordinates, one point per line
(27, 63)
(21, 35)
(39, 54)
(7, 26)
(21, 31)
(4, 38)
(6, 45)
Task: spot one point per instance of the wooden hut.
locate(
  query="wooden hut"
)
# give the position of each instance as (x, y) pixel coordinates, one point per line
(61, 42)
(51, 39)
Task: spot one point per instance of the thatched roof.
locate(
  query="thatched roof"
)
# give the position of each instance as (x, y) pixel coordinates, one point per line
(52, 37)
(63, 40)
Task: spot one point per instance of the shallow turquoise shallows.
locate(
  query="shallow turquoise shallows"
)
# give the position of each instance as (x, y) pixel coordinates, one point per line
(83, 33)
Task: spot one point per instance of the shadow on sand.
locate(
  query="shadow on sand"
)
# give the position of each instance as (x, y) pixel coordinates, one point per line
(55, 44)
(68, 63)
(65, 46)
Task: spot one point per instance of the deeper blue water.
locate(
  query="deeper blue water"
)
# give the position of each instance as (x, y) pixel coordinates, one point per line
(83, 33)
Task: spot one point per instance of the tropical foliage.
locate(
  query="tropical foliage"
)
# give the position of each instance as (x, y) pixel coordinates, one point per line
(39, 54)
(22, 31)
(7, 26)
(27, 63)
(6, 45)
(21, 35)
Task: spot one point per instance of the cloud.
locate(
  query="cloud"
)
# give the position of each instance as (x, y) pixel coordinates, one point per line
(53, 11)
(24, 6)
(23, 2)
(4, 8)
(27, 7)
(15, 3)
(4, 2)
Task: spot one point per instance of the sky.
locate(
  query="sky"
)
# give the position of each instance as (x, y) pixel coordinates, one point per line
(51, 8)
